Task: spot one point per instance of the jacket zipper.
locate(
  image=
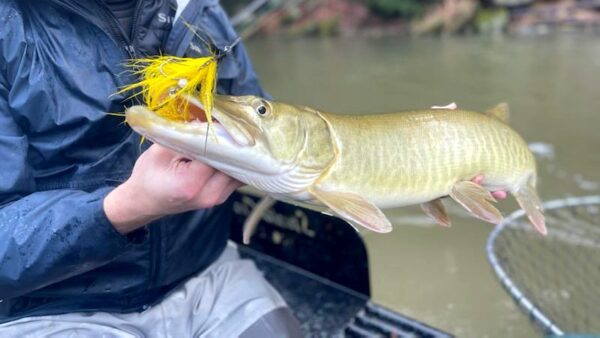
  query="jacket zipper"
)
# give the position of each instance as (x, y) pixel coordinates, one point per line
(116, 33)
(134, 21)
(110, 27)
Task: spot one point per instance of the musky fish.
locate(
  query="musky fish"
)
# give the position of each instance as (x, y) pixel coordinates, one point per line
(356, 165)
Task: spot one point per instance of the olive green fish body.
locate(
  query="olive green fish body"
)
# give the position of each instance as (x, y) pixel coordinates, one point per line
(356, 165)
(414, 157)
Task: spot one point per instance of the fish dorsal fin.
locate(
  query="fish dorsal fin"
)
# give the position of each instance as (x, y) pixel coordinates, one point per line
(499, 111)
(354, 209)
(435, 209)
(476, 200)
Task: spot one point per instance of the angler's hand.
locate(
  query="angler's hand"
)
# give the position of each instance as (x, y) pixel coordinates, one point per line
(163, 183)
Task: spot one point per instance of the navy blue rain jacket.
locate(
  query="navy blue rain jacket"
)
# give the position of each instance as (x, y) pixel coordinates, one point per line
(61, 61)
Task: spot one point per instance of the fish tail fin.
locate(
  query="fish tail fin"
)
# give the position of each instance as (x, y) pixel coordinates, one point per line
(530, 202)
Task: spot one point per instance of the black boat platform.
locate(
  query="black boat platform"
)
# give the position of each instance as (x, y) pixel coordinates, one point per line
(319, 265)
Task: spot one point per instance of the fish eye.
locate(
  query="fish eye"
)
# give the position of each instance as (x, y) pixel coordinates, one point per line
(261, 110)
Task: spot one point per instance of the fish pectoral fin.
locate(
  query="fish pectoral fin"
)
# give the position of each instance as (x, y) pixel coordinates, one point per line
(354, 209)
(529, 201)
(476, 200)
(435, 209)
(499, 111)
(255, 216)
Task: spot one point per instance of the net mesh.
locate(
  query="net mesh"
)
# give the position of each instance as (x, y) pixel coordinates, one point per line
(558, 274)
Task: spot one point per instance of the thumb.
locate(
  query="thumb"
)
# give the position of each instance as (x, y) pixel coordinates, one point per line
(161, 153)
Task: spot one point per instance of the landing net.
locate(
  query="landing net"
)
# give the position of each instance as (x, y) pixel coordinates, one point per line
(555, 279)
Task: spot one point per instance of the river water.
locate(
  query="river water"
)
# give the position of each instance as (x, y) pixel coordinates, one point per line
(552, 84)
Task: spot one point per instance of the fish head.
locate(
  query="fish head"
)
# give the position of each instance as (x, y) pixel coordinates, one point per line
(276, 147)
(290, 133)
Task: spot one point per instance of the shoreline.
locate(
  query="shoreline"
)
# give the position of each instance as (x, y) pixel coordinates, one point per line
(446, 17)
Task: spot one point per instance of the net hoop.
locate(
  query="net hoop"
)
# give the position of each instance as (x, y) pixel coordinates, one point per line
(519, 297)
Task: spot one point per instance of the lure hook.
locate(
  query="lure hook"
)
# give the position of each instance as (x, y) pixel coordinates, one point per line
(160, 67)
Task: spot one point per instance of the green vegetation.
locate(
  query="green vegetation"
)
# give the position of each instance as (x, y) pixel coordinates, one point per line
(398, 8)
(322, 28)
(491, 20)
(411, 17)
(384, 8)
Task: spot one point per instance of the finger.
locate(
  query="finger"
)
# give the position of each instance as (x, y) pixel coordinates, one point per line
(199, 172)
(211, 193)
(478, 179)
(234, 184)
(161, 152)
(499, 195)
(190, 178)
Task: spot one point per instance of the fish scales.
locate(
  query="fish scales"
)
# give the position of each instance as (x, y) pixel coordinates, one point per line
(413, 157)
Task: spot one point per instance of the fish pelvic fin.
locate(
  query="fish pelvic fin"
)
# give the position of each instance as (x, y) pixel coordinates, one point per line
(530, 202)
(353, 209)
(435, 209)
(500, 112)
(255, 216)
(476, 200)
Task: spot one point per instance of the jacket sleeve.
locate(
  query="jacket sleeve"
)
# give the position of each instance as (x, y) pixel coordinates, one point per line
(45, 236)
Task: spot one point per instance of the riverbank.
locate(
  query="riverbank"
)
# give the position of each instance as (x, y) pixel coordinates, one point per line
(441, 17)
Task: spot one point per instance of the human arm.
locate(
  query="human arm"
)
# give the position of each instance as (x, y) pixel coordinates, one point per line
(48, 235)
(52, 235)
(163, 183)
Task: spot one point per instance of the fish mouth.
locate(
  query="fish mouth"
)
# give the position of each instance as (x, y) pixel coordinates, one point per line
(230, 145)
(224, 130)
(150, 125)
(237, 128)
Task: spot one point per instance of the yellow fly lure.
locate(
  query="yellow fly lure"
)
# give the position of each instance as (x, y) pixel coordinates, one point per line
(164, 80)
